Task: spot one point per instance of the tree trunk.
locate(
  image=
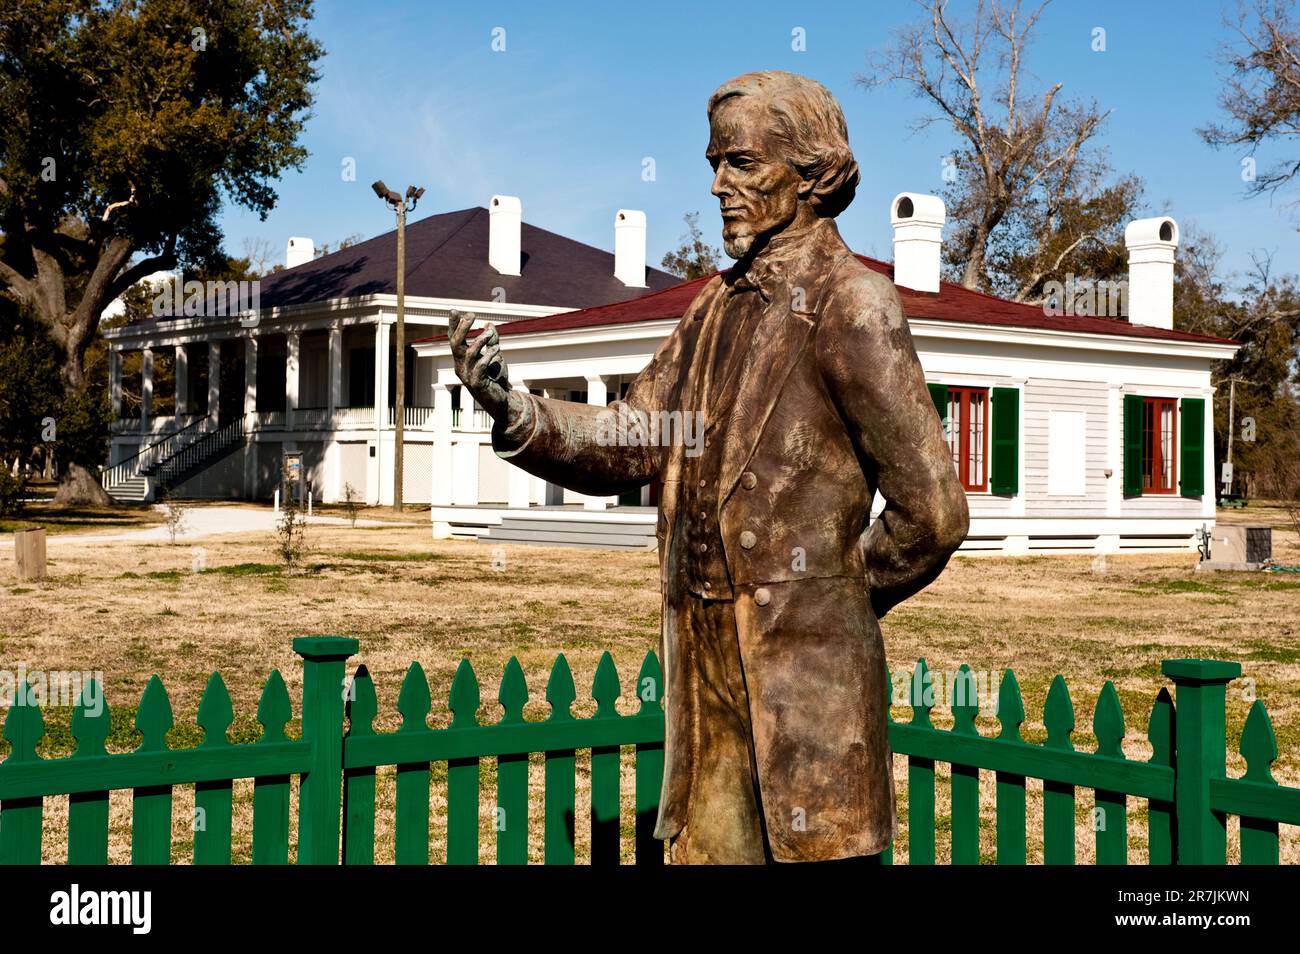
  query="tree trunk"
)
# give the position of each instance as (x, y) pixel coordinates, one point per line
(78, 485)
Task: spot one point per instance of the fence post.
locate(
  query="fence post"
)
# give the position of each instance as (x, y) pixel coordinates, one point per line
(320, 805)
(1200, 747)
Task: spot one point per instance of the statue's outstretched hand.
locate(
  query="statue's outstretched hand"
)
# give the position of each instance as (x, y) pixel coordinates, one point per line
(480, 366)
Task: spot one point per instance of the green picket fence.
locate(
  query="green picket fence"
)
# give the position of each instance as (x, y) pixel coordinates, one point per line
(1185, 784)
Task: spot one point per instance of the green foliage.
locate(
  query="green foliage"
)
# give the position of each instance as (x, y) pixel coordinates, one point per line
(29, 391)
(12, 489)
(693, 258)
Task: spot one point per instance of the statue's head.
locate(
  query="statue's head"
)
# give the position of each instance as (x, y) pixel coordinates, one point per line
(780, 152)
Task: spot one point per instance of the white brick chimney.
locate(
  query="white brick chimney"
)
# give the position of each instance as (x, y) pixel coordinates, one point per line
(918, 238)
(300, 252)
(629, 247)
(1151, 244)
(505, 219)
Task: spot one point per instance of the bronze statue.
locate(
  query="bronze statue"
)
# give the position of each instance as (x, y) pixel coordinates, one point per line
(801, 362)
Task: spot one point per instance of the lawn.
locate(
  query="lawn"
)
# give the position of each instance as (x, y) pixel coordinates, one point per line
(130, 610)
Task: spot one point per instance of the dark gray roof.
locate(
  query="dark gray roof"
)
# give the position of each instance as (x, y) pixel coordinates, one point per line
(447, 257)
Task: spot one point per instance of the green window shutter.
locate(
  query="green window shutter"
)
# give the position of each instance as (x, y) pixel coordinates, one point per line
(939, 395)
(1133, 404)
(1005, 472)
(1191, 460)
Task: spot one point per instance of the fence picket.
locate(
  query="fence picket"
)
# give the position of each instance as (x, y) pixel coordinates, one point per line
(561, 772)
(412, 822)
(463, 774)
(1058, 797)
(965, 778)
(511, 820)
(271, 792)
(88, 811)
(1010, 786)
(1110, 817)
(359, 783)
(605, 772)
(151, 805)
(920, 774)
(213, 800)
(1259, 839)
(20, 818)
(649, 765)
(1160, 814)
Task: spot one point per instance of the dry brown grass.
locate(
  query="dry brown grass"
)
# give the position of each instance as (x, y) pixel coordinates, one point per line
(133, 610)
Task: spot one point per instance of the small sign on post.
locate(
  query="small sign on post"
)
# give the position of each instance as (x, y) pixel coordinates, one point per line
(292, 478)
(29, 551)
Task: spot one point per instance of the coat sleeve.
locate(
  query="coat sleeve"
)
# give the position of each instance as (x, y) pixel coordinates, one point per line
(865, 353)
(596, 450)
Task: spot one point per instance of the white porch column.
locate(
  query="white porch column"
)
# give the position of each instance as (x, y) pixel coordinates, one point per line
(383, 491)
(250, 416)
(115, 380)
(519, 490)
(442, 462)
(146, 389)
(292, 341)
(181, 365)
(335, 370)
(250, 382)
(214, 381)
(597, 394)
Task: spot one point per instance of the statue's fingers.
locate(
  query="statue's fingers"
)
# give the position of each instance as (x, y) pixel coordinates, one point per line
(458, 326)
(476, 348)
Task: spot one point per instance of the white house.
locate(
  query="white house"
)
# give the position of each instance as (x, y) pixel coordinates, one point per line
(1071, 433)
(308, 365)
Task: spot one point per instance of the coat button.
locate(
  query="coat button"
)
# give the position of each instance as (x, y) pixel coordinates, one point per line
(747, 539)
(748, 480)
(762, 597)
(704, 548)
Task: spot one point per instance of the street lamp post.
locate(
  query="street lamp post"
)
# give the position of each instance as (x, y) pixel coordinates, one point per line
(401, 205)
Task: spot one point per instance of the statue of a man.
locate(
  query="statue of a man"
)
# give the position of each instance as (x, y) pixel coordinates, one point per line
(800, 361)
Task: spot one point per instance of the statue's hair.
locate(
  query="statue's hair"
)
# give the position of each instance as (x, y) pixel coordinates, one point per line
(810, 125)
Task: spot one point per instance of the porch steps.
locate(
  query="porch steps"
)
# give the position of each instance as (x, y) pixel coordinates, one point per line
(131, 490)
(592, 533)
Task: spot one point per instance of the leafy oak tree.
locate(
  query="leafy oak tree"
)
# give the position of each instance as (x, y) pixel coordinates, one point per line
(123, 127)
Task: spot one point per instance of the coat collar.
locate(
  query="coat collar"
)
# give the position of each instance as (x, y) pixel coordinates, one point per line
(781, 262)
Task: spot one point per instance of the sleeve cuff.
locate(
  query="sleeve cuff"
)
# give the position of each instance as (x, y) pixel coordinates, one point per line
(514, 437)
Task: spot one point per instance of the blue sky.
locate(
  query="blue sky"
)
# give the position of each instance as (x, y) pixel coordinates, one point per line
(584, 92)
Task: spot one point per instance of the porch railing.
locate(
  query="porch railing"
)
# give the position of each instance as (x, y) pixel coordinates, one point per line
(147, 459)
(417, 416)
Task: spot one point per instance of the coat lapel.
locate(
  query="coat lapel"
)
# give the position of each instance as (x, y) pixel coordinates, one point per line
(780, 338)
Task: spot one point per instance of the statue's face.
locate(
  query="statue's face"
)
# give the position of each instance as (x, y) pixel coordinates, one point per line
(755, 185)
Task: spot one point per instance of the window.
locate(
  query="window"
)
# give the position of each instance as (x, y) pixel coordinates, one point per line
(1161, 455)
(1159, 440)
(966, 427)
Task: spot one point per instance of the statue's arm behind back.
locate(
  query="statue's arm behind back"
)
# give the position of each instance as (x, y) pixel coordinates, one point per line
(867, 358)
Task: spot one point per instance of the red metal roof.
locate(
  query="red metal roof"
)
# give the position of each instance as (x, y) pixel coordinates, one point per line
(951, 303)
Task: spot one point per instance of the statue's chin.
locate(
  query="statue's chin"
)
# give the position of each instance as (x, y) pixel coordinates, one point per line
(737, 247)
